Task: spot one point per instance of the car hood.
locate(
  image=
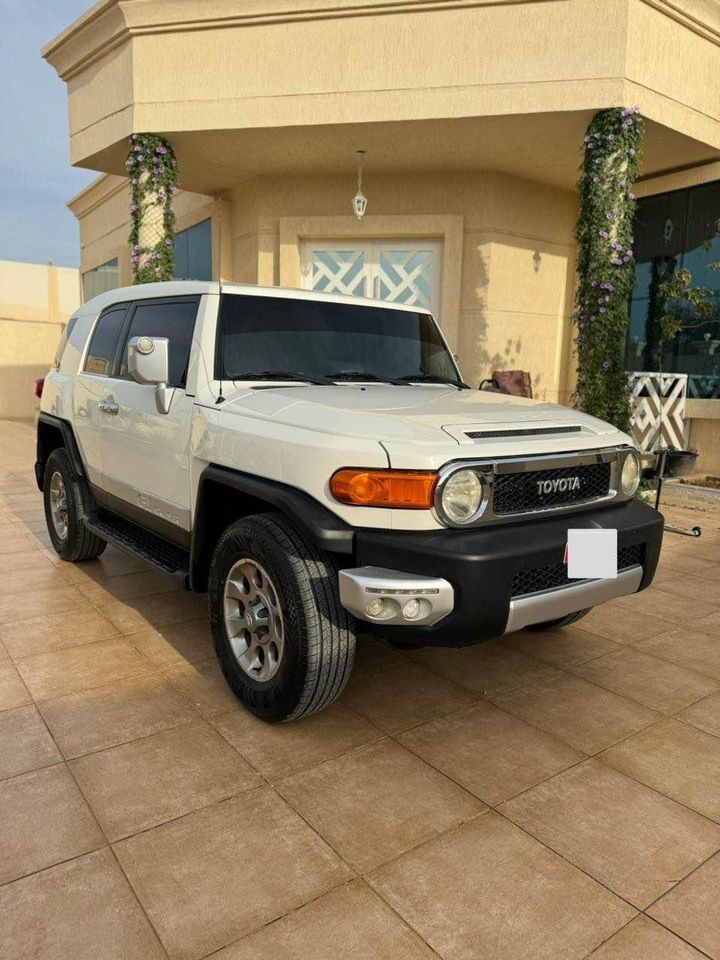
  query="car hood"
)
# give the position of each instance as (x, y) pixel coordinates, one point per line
(422, 414)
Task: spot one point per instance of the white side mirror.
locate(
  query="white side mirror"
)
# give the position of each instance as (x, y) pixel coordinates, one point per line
(149, 362)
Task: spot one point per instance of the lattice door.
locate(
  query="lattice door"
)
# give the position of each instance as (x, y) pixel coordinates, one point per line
(651, 395)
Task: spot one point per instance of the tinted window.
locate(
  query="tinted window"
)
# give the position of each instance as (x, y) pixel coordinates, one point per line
(320, 339)
(104, 341)
(174, 319)
(69, 327)
(193, 252)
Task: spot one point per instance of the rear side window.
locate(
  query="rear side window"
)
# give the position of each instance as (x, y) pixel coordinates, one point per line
(69, 326)
(174, 319)
(104, 341)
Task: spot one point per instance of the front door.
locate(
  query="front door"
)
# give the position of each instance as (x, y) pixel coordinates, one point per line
(399, 271)
(146, 453)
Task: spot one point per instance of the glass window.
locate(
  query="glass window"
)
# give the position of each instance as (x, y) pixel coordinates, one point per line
(174, 319)
(100, 279)
(64, 337)
(193, 252)
(675, 230)
(104, 341)
(316, 338)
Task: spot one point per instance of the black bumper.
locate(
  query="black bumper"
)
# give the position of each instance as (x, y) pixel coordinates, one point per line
(481, 564)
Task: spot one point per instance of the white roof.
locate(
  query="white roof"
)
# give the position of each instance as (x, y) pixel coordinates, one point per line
(180, 288)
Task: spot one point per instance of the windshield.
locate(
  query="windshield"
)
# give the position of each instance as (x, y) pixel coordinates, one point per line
(328, 340)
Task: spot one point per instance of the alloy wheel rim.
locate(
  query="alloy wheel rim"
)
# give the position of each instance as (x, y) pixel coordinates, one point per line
(58, 505)
(254, 620)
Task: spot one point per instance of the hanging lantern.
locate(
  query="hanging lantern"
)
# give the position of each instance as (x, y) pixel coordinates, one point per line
(359, 200)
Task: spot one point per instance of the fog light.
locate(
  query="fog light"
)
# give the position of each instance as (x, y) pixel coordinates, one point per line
(375, 607)
(411, 609)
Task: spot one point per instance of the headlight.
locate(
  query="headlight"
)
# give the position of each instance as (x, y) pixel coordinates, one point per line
(462, 496)
(630, 477)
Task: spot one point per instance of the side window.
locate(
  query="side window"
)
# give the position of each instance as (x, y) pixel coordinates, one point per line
(172, 319)
(104, 341)
(65, 336)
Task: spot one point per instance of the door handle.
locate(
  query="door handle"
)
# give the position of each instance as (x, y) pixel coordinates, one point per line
(108, 406)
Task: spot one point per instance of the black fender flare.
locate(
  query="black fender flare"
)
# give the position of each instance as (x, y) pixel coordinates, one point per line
(69, 442)
(319, 524)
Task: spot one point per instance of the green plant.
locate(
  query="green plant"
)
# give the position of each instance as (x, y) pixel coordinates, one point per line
(605, 262)
(152, 168)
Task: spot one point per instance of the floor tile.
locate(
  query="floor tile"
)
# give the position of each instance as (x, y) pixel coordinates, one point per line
(580, 713)
(29, 578)
(704, 714)
(402, 694)
(147, 782)
(117, 713)
(630, 838)
(25, 638)
(377, 802)
(692, 647)
(562, 647)
(623, 624)
(660, 685)
(676, 759)
(25, 743)
(125, 586)
(73, 669)
(131, 616)
(205, 687)
(486, 668)
(4, 655)
(497, 894)
(691, 909)
(643, 939)
(175, 645)
(280, 750)
(220, 873)
(673, 607)
(35, 602)
(352, 922)
(80, 910)
(491, 753)
(43, 820)
(13, 692)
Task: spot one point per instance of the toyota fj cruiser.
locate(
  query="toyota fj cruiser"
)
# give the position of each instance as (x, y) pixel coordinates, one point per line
(316, 464)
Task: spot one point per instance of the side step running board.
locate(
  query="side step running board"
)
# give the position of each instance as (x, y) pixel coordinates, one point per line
(166, 557)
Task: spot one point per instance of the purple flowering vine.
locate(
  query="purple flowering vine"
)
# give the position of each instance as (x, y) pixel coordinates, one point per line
(152, 170)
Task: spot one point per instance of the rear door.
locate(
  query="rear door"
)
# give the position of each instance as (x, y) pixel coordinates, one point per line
(145, 453)
(91, 386)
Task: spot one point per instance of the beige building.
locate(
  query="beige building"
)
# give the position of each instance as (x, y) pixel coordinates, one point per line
(471, 114)
(35, 303)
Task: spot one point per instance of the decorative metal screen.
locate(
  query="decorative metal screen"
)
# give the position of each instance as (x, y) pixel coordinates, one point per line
(658, 409)
(401, 272)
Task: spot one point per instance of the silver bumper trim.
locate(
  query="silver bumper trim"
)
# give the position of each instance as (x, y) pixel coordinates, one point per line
(552, 604)
(361, 585)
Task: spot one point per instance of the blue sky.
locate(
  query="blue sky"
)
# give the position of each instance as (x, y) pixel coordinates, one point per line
(36, 179)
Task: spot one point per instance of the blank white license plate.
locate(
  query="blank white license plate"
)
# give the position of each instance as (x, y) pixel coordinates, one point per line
(591, 554)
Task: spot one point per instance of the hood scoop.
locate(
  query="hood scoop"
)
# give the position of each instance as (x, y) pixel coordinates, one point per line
(521, 432)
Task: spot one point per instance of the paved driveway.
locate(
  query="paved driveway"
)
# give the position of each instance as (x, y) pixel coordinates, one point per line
(542, 796)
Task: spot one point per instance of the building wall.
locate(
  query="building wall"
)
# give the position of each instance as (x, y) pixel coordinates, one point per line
(35, 303)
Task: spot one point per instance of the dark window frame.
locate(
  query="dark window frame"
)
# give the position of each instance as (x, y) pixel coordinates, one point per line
(122, 305)
(125, 331)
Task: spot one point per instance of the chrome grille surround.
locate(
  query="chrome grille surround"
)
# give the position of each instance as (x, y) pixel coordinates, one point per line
(490, 470)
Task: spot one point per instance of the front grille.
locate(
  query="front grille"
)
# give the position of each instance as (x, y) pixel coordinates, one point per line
(555, 575)
(541, 489)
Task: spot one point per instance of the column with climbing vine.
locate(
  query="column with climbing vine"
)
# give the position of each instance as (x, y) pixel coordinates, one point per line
(606, 265)
(152, 169)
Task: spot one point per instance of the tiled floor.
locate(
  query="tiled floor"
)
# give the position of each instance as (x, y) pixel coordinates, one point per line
(542, 796)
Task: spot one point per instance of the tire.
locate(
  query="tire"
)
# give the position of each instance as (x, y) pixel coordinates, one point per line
(302, 642)
(75, 543)
(561, 621)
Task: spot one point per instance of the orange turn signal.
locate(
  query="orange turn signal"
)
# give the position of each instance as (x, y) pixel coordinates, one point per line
(404, 489)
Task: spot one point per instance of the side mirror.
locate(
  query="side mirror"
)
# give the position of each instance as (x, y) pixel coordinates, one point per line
(149, 362)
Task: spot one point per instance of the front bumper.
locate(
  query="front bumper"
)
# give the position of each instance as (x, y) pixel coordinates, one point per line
(480, 569)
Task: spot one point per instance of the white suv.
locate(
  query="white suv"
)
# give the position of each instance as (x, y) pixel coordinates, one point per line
(314, 461)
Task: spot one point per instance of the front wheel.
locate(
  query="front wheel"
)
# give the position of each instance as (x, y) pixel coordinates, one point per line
(284, 641)
(561, 621)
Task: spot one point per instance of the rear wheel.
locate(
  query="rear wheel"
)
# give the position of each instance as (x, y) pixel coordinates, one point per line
(561, 621)
(65, 499)
(284, 641)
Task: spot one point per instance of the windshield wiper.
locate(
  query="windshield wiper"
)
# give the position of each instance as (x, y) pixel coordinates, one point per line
(284, 375)
(360, 375)
(433, 378)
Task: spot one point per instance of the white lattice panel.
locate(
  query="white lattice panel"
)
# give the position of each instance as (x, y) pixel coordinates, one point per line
(406, 276)
(658, 409)
(339, 271)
